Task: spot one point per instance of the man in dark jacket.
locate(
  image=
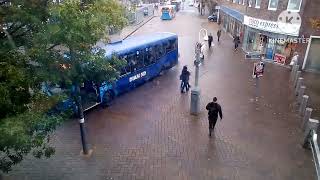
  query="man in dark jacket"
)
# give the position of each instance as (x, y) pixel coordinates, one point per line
(236, 41)
(210, 39)
(184, 77)
(218, 34)
(213, 110)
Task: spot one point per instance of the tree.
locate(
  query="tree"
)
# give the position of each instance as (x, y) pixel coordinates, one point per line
(46, 42)
(75, 29)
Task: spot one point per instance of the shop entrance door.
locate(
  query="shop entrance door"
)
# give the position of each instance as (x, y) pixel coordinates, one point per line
(270, 49)
(262, 44)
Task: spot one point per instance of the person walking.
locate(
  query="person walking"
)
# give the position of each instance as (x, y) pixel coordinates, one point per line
(210, 39)
(214, 109)
(219, 34)
(184, 77)
(236, 41)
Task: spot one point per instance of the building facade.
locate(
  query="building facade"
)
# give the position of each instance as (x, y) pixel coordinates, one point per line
(266, 27)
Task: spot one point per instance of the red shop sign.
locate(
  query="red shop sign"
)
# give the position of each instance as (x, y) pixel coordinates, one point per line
(278, 58)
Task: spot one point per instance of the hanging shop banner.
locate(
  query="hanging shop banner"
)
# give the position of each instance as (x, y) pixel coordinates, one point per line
(272, 26)
(258, 69)
(281, 59)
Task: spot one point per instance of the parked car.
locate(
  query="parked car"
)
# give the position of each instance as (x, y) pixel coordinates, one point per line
(213, 17)
(191, 4)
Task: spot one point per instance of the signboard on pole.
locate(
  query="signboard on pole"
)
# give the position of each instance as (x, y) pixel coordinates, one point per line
(258, 69)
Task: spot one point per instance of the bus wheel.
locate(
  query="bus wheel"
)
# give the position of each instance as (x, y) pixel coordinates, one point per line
(107, 99)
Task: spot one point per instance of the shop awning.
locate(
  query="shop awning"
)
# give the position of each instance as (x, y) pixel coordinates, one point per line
(233, 13)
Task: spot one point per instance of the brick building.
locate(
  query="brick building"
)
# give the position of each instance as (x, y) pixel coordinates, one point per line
(257, 23)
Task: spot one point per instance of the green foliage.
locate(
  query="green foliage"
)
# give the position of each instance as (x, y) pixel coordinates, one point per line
(74, 30)
(35, 36)
(24, 133)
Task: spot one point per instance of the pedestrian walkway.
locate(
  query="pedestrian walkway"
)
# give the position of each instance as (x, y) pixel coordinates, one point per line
(127, 31)
(149, 133)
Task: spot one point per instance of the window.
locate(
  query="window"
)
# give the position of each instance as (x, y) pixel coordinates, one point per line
(244, 2)
(170, 45)
(126, 69)
(273, 4)
(150, 56)
(294, 5)
(138, 62)
(258, 2)
(250, 3)
(240, 1)
(159, 49)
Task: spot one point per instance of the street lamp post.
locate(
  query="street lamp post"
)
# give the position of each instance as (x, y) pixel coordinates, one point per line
(195, 92)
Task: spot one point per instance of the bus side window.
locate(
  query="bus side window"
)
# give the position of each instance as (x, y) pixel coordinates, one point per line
(135, 61)
(173, 44)
(170, 45)
(139, 59)
(149, 57)
(126, 69)
(166, 45)
(131, 61)
(159, 49)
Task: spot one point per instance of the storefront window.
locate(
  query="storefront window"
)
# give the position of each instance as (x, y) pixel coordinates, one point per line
(258, 2)
(294, 5)
(225, 22)
(273, 4)
(250, 41)
(313, 60)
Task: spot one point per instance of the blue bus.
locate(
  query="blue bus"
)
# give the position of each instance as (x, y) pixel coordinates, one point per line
(146, 57)
(168, 12)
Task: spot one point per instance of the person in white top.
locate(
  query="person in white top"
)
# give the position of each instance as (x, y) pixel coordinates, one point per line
(294, 59)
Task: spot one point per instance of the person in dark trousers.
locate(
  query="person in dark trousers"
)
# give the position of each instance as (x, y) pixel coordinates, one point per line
(184, 77)
(236, 41)
(214, 109)
(219, 34)
(210, 39)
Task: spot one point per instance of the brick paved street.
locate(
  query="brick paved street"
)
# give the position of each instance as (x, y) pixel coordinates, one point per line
(149, 134)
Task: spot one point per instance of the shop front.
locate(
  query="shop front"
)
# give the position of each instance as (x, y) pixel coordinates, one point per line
(312, 57)
(265, 37)
(231, 21)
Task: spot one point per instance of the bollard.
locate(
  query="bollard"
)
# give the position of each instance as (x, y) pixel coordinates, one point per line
(293, 71)
(306, 117)
(312, 124)
(299, 84)
(303, 105)
(298, 74)
(301, 93)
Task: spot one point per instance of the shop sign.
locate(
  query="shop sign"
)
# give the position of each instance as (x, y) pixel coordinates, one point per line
(258, 69)
(271, 26)
(278, 58)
